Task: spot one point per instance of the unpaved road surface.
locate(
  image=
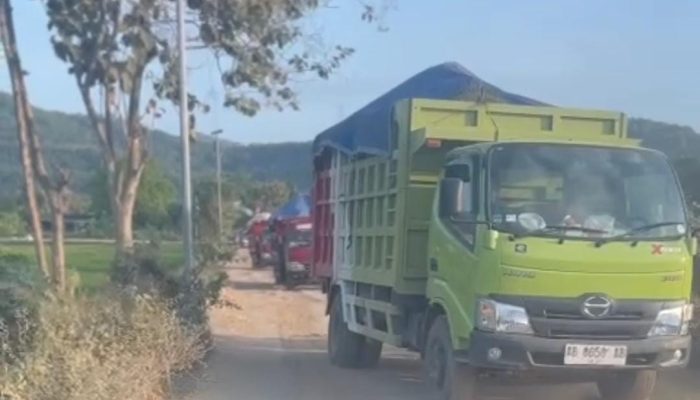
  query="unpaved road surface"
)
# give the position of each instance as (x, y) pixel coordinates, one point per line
(270, 344)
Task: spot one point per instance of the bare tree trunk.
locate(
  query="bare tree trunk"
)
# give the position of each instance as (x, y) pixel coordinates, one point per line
(123, 175)
(7, 36)
(56, 188)
(125, 231)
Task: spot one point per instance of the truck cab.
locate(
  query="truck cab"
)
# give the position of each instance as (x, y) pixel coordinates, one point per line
(293, 248)
(550, 255)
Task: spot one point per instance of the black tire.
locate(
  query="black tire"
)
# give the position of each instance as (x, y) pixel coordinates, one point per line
(279, 268)
(446, 379)
(634, 385)
(694, 362)
(257, 258)
(371, 353)
(348, 349)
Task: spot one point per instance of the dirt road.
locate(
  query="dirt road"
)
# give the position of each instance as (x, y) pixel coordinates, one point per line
(271, 344)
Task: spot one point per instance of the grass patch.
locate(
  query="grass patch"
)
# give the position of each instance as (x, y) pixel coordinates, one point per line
(93, 261)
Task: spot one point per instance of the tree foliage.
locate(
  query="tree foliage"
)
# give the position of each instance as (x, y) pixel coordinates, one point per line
(110, 46)
(154, 200)
(268, 196)
(155, 197)
(240, 194)
(259, 45)
(11, 224)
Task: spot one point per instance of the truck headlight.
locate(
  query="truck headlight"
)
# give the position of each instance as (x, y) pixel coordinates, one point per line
(673, 321)
(493, 316)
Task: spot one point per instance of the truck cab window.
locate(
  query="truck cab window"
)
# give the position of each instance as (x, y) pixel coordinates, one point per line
(464, 172)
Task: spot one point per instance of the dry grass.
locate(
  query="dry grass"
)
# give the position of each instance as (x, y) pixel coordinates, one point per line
(98, 348)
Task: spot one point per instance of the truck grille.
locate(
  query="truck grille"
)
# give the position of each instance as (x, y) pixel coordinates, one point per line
(562, 318)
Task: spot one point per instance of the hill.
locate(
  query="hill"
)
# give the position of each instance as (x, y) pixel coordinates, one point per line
(69, 142)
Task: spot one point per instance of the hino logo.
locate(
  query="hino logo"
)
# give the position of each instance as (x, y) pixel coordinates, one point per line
(596, 307)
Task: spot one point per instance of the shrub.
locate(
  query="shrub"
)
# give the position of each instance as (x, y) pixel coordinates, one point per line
(19, 282)
(20, 287)
(11, 224)
(98, 348)
(191, 296)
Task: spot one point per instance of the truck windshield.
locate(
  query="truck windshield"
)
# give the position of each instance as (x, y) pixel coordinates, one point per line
(299, 238)
(584, 191)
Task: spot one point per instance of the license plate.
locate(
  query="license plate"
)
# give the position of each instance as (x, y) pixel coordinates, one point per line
(586, 354)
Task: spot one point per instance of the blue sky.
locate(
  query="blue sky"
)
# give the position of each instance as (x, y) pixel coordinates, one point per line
(637, 56)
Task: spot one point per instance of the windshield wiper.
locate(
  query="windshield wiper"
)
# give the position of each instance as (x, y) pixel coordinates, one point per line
(554, 228)
(631, 232)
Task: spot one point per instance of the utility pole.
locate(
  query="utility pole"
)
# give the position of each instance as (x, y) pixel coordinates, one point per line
(220, 220)
(185, 140)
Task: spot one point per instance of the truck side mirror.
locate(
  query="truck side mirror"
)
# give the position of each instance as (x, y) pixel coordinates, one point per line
(450, 197)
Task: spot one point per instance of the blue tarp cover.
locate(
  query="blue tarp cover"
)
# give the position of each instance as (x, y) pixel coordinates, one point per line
(297, 207)
(367, 130)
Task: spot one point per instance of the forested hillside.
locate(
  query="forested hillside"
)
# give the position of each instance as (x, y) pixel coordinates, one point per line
(70, 143)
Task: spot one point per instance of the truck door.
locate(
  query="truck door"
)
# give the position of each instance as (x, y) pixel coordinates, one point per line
(454, 239)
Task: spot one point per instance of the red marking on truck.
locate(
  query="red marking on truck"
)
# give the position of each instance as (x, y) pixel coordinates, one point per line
(657, 249)
(433, 143)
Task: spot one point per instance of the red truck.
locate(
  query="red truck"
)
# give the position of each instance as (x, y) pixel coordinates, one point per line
(258, 247)
(293, 251)
(291, 225)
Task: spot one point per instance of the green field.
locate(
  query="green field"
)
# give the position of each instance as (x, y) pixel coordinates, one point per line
(92, 261)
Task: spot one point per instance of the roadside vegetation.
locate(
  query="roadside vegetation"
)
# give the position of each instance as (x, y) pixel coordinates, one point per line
(93, 321)
(96, 348)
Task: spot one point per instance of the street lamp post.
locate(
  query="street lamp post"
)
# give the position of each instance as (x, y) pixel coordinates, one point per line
(220, 216)
(187, 235)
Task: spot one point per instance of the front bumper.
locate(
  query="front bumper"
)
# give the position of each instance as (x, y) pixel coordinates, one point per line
(299, 273)
(522, 352)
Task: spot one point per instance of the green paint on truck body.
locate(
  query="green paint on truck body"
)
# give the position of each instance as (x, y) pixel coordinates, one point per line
(395, 232)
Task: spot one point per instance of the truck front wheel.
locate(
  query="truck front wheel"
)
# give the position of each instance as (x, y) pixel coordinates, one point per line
(348, 349)
(633, 385)
(446, 379)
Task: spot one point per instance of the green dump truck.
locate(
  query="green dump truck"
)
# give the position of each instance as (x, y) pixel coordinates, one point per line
(503, 238)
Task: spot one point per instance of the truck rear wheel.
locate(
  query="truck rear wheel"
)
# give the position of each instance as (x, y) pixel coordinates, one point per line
(348, 349)
(634, 385)
(446, 379)
(371, 353)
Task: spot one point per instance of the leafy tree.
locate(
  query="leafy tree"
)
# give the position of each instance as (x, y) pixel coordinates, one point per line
(268, 196)
(155, 197)
(109, 46)
(206, 206)
(153, 201)
(11, 224)
(99, 198)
